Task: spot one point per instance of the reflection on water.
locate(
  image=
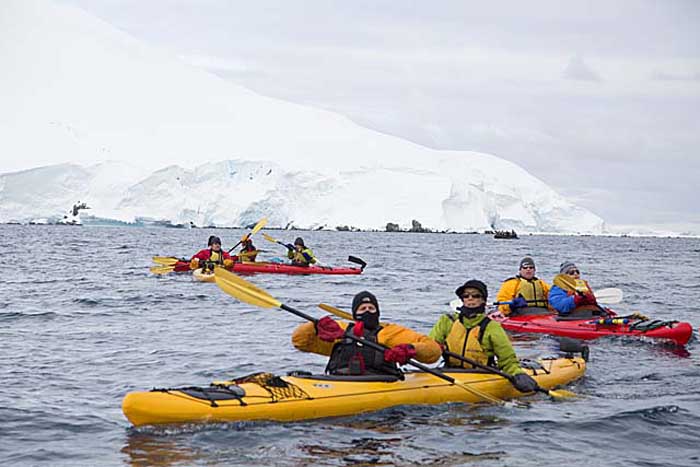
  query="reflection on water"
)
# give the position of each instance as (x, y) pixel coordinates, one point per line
(146, 450)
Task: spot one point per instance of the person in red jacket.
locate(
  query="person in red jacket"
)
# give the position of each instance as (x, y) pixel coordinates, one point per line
(212, 255)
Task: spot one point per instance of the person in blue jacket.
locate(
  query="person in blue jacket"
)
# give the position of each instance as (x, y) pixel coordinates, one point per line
(571, 294)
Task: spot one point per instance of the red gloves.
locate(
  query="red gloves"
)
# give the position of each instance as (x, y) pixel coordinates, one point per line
(585, 299)
(358, 329)
(328, 330)
(400, 354)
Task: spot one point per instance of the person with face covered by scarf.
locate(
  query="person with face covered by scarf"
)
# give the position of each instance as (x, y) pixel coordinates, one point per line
(473, 335)
(330, 337)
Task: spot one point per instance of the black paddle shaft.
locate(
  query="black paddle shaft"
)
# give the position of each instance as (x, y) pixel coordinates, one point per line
(478, 365)
(495, 371)
(372, 345)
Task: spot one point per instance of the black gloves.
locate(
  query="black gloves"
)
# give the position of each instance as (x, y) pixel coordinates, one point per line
(525, 383)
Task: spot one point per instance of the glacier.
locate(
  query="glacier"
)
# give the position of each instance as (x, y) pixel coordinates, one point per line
(92, 114)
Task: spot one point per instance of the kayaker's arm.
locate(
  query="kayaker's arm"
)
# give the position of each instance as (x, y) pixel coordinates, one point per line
(304, 338)
(560, 300)
(497, 341)
(441, 329)
(427, 350)
(507, 293)
(308, 256)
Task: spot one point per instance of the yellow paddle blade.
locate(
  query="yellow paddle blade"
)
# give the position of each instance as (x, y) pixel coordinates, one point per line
(162, 269)
(261, 223)
(335, 311)
(268, 238)
(165, 260)
(243, 290)
(562, 394)
(339, 313)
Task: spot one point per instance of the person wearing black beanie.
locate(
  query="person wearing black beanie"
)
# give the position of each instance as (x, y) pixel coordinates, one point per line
(330, 337)
(300, 254)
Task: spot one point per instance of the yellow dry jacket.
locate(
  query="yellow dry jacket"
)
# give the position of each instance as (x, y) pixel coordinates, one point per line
(535, 291)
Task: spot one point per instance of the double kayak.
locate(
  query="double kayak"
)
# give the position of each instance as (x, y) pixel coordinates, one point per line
(281, 268)
(273, 268)
(593, 327)
(302, 396)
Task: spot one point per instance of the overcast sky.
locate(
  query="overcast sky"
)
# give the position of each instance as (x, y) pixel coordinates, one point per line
(601, 99)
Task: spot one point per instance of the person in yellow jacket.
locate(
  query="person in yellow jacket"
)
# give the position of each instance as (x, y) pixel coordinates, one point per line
(330, 337)
(300, 254)
(524, 291)
(472, 334)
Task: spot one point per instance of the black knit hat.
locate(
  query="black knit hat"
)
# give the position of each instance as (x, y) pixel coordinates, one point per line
(214, 239)
(299, 241)
(364, 297)
(473, 284)
(527, 261)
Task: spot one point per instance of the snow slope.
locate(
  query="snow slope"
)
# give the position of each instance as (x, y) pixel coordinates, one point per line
(192, 146)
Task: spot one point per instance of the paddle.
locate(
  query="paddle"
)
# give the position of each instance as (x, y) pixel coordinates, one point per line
(167, 260)
(245, 291)
(356, 260)
(273, 240)
(162, 269)
(608, 296)
(352, 259)
(261, 223)
(605, 296)
(558, 394)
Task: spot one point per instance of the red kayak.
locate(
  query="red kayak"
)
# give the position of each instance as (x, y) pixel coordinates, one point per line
(281, 268)
(276, 268)
(595, 327)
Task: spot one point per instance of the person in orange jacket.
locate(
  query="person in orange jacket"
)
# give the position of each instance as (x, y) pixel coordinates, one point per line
(214, 254)
(330, 337)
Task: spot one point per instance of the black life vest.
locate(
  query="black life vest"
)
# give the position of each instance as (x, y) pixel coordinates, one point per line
(351, 358)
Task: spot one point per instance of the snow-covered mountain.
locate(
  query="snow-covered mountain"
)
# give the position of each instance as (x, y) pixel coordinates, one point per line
(193, 147)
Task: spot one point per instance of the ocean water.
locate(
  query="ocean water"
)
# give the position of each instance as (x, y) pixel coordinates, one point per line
(83, 322)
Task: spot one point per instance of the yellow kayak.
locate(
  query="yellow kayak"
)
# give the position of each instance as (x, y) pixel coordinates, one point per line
(263, 396)
(203, 276)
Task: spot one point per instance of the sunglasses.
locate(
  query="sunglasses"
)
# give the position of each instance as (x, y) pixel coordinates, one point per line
(472, 295)
(573, 272)
(528, 267)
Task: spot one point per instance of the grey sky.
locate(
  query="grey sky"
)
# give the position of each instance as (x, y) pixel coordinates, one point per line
(601, 100)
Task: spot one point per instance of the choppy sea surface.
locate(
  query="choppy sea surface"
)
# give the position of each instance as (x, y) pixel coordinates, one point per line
(83, 322)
